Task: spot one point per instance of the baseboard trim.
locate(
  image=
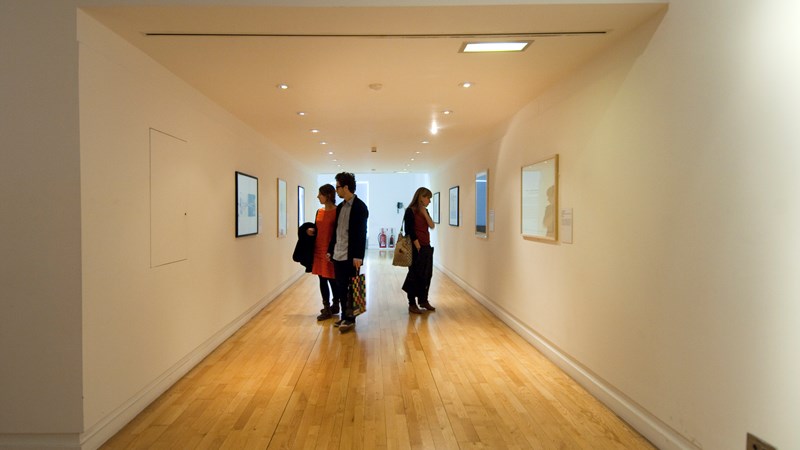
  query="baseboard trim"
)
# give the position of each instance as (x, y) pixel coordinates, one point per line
(651, 427)
(96, 435)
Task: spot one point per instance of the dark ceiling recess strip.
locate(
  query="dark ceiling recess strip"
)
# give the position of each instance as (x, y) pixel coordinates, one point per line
(389, 36)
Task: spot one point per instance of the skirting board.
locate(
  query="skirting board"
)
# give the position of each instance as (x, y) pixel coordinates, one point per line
(102, 431)
(652, 428)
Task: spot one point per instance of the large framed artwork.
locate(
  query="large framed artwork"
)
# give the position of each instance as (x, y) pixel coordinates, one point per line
(435, 208)
(539, 195)
(454, 206)
(301, 206)
(246, 205)
(481, 203)
(282, 219)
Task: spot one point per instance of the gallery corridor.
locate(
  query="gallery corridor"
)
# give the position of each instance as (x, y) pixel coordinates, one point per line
(455, 378)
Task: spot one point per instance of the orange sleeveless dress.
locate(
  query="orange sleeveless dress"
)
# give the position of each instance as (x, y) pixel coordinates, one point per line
(325, 221)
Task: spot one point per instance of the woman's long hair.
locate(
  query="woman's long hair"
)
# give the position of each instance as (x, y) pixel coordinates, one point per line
(329, 192)
(421, 192)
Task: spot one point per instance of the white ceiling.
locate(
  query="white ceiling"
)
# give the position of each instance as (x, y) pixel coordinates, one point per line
(330, 75)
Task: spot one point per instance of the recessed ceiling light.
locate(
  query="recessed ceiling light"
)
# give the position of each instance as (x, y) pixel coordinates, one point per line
(282, 86)
(485, 47)
(301, 113)
(466, 84)
(314, 130)
(412, 159)
(330, 153)
(418, 152)
(447, 112)
(323, 143)
(426, 142)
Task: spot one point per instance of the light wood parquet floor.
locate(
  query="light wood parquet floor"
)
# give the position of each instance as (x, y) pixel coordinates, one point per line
(456, 378)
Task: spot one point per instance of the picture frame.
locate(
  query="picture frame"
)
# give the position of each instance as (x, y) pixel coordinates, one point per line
(246, 205)
(539, 200)
(301, 206)
(282, 219)
(435, 207)
(454, 213)
(482, 204)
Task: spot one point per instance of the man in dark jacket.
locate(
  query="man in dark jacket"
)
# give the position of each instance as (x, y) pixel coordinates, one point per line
(348, 243)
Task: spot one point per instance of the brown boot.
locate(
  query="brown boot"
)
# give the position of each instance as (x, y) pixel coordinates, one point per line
(413, 309)
(325, 314)
(427, 306)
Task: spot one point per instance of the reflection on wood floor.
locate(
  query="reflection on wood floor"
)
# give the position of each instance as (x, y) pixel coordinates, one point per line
(450, 379)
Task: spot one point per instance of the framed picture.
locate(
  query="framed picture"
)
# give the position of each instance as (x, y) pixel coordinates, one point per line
(435, 207)
(301, 205)
(246, 205)
(539, 195)
(282, 208)
(481, 203)
(454, 206)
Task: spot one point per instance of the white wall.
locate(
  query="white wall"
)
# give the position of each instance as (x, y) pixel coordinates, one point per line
(144, 326)
(40, 235)
(678, 298)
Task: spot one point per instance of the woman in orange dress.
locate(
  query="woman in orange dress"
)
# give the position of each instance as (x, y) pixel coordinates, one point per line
(325, 221)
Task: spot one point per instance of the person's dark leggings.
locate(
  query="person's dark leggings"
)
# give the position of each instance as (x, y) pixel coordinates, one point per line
(326, 292)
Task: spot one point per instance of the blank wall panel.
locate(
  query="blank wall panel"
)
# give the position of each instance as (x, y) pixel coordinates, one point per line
(168, 199)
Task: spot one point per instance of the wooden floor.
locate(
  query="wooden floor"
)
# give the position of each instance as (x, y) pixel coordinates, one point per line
(456, 378)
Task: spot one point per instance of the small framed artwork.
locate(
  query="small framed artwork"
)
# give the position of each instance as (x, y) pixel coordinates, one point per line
(539, 189)
(282, 220)
(301, 205)
(435, 207)
(481, 203)
(454, 206)
(246, 205)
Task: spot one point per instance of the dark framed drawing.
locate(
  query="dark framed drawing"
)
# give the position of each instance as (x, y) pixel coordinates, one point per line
(435, 208)
(246, 205)
(454, 206)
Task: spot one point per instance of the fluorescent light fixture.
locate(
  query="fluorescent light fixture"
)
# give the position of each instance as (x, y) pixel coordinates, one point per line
(486, 47)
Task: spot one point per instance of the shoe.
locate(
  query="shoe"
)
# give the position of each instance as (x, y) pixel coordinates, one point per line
(338, 323)
(335, 308)
(346, 326)
(325, 314)
(427, 306)
(413, 309)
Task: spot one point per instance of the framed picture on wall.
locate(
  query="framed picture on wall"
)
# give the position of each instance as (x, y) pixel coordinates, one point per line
(435, 207)
(282, 220)
(301, 205)
(454, 206)
(246, 205)
(481, 203)
(539, 194)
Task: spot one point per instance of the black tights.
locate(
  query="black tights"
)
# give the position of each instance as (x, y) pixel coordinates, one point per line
(326, 291)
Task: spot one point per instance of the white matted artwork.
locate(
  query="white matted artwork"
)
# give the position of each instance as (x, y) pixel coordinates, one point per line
(539, 195)
(301, 206)
(282, 220)
(454, 206)
(482, 204)
(246, 205)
